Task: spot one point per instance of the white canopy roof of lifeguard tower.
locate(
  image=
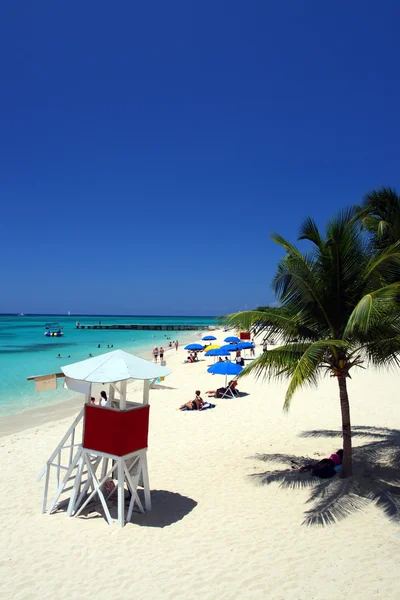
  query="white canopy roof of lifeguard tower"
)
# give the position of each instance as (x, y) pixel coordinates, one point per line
(114, 366)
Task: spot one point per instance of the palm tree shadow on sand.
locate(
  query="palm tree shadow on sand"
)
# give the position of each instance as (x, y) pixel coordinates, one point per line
(376, 477)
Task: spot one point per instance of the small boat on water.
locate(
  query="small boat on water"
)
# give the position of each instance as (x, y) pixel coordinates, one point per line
(53, 330)
(21, 315)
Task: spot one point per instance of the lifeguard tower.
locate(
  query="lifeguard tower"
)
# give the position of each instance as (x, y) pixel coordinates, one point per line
(113, 444)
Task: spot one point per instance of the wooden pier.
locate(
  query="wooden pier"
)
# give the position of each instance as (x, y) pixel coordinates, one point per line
(144, 327)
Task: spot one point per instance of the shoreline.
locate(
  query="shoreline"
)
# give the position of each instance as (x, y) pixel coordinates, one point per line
(61, 409)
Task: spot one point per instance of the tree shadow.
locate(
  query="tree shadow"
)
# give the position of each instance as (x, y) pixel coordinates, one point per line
(376, 477)
(167, 508)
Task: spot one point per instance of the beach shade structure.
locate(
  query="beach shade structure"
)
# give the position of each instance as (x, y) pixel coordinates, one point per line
(225, 368)
(246, 345)
(209, 338)
(194, 347)
(216, 352)
(232, 340)
(212, 347)
(230, 347)
(113, 442)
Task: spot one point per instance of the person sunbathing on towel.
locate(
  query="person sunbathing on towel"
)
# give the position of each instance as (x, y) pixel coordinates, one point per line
(195, 404)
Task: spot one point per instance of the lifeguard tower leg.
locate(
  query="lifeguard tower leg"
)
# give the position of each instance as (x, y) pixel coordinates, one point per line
(133, 484)
(104, 467)
(46, 488)
(89, 482)
(62, 485)
(76, 488)
(121, 493)
(146, 484)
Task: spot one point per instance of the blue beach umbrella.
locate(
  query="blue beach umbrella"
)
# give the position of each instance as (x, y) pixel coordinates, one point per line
(246, 345)
(194, 347)
(208, 338)
(225, 368)
(216, 352)
(232, 339)
(230, 347)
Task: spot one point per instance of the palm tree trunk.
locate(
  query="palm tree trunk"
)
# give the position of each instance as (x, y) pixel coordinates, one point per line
(347, 468)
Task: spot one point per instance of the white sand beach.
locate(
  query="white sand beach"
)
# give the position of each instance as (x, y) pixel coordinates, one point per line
(215, 531)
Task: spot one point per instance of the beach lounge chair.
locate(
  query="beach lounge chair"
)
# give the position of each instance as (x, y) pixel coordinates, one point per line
(230, 391)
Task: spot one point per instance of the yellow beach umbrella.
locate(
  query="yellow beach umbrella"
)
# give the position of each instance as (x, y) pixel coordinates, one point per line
(212, 347)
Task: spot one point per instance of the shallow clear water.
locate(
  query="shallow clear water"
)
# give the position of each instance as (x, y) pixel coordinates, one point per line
(25, 351)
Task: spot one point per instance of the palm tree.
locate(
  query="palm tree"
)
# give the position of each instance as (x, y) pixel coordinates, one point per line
(337, 312)
(380, 216)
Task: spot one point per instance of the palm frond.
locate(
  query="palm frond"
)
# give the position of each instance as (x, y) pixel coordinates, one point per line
(309, 231)
(298, 287)
(277, 322)
(277, 363)
(385, 264)
(373, 307)
(308, 366)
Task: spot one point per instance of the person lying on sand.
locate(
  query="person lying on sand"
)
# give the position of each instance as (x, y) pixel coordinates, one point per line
(195, 404)
(231, 387)
(325, 468)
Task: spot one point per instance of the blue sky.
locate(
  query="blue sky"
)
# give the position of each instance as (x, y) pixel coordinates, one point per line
(147, 150)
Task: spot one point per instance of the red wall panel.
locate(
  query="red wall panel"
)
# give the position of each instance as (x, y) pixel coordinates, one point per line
(115, 432)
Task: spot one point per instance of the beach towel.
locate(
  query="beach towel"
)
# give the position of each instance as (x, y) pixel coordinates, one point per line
(205, 407)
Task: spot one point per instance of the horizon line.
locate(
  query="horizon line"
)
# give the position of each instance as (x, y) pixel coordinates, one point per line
(48, 314)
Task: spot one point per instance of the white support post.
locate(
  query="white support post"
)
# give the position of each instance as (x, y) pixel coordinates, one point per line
(64, 481)
(59, 467)
(97, 489)
(133, 484)
(111, 395)
(61, 444)
(104, 467)
(146, 390)
(121, 495)
(88, 395)
(146, 484)
(122, 404)
(46, 488)
(89, 482)
(71, 450)
(77, 486)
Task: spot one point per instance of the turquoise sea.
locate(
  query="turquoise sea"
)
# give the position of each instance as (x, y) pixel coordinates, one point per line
(25, 351)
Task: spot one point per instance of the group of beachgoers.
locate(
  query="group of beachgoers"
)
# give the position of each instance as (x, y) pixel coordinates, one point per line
(192, 357)
(159, 352)
(198, 403)
(102, 401)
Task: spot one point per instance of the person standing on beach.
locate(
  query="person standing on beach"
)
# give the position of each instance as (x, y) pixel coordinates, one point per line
(176, 345)
(161, 353)
(155, 354)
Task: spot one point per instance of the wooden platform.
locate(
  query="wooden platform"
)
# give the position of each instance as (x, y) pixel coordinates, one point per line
(144, 327)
